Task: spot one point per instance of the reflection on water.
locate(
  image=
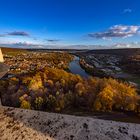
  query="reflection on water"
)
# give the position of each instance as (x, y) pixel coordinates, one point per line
(76, 69)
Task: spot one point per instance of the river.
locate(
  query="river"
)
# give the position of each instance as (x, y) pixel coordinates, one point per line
(75, 68)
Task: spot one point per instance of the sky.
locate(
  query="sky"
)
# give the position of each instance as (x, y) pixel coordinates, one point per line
(56, 23)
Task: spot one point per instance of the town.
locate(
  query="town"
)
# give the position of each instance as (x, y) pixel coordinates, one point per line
(27, 61)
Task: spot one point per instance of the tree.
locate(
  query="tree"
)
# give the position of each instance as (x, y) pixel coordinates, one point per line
(39, 103)
(25, 105)
(104, 100)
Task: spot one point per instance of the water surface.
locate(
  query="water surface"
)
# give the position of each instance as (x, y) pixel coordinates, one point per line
(75, 68)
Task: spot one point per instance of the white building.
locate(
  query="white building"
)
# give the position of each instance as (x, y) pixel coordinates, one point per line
(1, 56)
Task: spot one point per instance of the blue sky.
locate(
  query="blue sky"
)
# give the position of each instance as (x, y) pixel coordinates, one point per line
(39, 23)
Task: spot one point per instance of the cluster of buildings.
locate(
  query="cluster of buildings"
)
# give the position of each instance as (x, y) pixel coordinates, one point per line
(22, 63)
(29, 61)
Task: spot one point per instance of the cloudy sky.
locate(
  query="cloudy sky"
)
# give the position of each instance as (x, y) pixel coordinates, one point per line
(42, 23)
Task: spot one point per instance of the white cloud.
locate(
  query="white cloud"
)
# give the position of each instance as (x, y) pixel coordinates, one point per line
(117, 31)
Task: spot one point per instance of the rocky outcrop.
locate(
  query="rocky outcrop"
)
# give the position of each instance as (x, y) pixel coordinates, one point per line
(19, 124)
(3, 69)
(102, 65)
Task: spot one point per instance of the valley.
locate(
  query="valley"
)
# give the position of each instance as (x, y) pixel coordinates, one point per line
(72, 82)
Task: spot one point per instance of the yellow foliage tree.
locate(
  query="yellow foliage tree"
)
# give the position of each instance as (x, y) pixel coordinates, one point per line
(25, 105)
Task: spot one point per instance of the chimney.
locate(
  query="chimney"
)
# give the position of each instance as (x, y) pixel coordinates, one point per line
(1, 56)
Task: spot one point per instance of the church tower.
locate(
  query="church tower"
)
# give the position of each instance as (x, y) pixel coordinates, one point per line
(1, 56)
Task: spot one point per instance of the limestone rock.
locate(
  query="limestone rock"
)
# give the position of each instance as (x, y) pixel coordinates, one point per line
(1, 56)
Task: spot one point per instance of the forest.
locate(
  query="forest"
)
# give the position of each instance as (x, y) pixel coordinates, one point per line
(55, 90)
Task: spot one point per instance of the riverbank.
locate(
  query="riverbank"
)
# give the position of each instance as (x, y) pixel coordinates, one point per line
(109, 65)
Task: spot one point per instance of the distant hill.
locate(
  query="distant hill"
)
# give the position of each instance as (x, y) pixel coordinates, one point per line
(5, 49)
(116, 51)
(123, 51)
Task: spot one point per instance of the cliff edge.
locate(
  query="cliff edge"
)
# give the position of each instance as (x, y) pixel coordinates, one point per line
(19, 124)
